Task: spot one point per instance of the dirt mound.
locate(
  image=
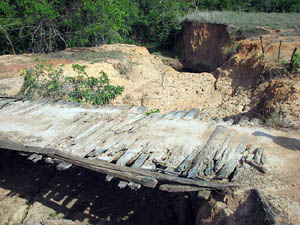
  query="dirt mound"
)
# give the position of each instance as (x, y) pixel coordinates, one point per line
(276, 92)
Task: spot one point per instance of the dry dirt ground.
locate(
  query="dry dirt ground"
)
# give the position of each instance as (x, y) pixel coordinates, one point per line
(38, 194)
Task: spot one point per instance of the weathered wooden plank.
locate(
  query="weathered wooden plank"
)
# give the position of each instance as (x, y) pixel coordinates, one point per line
(116, 143)
(229, 167)
(192, 114)
(225, 145)
(180, 114)
(122, 184)
(113, 154)
(89, 131)
(134, 186)
(170, 115)
(208, 152)
(4, 102)
(260, 168)
(225, 157)
(100, 139)
(144, 177)
(137, 175)
(140, 160)
(132, 153)
(138, 109)
(180, 188)
(95, 152)
(63, 166)
(35, 157)
(127, 121)
(6, 144)
(187, 163)
(108, 178)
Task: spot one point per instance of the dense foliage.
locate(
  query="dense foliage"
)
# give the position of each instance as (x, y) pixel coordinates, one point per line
(48, 81)
(49, 25)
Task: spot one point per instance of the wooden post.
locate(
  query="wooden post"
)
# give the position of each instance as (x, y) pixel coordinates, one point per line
(262, 45)
(294, 52)
(279, 50)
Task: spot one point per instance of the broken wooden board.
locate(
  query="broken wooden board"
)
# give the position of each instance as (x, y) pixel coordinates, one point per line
(176, 151)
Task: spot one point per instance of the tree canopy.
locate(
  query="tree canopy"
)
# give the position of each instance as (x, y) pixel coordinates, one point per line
(49, 25)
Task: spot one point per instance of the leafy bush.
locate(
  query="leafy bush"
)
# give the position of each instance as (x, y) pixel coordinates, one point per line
(295, 62)
(46, 81)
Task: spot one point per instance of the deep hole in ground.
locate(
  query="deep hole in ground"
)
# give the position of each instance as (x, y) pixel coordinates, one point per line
(42, 195)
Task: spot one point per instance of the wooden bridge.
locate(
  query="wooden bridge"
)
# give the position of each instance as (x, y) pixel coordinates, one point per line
(175, 152)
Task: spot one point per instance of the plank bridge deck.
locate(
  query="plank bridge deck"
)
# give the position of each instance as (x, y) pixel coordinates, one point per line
(175, 152)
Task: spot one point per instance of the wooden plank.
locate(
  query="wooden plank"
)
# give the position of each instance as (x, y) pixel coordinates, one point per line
(140, 160)
(4, 102)
(117, 143)
(131, 119)
(35, 158)
(180, 188)
(137, 175)
(102, 138)
(89, 131)
(133, 153)
(225, 145)
(170, 115)
(187, 163)
(95, 152)
(134, 125)
(113, 154)
(229, 167)
(180, 114)
(221, 162)
(122, 184)
(108, 178)
(206, 154)
(63, 166)
(144, 180)
(192, 114)
(134, 186)
(138, 109)
(6, 144)
(145, 177)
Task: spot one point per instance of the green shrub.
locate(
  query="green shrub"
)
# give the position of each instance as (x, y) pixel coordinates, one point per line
(295, 62)
(46, 81)
(152, 111)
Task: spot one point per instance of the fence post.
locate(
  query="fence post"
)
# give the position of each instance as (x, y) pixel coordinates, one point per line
(279, 50)
(262, 45)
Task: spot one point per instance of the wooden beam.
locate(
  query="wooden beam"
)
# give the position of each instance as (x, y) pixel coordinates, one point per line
(147, 178)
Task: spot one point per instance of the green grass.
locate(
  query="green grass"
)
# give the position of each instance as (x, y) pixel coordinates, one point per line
(246, 20)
